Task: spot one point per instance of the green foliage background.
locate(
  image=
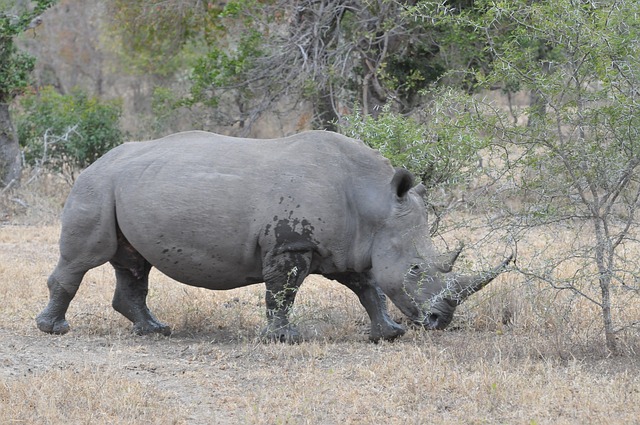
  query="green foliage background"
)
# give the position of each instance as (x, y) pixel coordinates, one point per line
(91, 126)
(441, 146)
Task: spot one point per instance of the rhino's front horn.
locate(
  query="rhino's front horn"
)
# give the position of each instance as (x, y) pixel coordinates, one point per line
(468, 285)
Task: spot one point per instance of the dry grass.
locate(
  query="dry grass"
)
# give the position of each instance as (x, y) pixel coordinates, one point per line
(84, 396)
(517, 353)
(39, 200)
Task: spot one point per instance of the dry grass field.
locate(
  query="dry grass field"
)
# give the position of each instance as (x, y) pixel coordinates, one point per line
(514, 355)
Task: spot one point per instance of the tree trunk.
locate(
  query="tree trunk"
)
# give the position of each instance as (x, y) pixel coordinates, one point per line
(609, 333)
(325, 111)
(10, 164)
(603, 250)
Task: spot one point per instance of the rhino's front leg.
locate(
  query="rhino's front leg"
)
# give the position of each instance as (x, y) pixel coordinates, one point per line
(283, 276)
(375, 303)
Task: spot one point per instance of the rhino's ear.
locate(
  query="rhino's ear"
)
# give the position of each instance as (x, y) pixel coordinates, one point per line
(402, 182)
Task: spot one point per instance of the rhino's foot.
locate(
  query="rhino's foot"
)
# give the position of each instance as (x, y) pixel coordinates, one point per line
(151, 327)
(287, 333)
(388, 332)
(52, 325)
(52, 319)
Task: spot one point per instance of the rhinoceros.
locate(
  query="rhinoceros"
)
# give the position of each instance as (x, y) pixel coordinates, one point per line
(220, 212)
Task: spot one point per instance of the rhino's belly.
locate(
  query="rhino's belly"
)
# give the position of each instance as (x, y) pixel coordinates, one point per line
(192, 241)
(194, 268)
(200, 265)
(211, 278)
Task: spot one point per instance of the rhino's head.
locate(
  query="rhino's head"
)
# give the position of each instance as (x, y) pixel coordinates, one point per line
(410, 271)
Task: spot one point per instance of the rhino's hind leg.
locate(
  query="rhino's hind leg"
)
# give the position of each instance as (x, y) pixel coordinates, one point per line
(283, 276)
(87, 240)
(132, 286)
(52, 319)
(80, 251)
(375, 302)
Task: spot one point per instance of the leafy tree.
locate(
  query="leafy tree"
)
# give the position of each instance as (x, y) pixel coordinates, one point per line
(15, 67)
(330, 53)
(576, 165)
(64, 133)
(249, 57)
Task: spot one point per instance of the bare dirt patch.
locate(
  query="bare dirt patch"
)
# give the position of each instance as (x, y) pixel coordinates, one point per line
(213, 369)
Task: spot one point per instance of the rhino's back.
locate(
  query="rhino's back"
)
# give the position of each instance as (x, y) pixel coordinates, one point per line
(309, 149)
(183, 163)
(204, 208)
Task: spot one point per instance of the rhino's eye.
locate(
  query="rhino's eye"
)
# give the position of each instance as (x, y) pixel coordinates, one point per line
(415, 269)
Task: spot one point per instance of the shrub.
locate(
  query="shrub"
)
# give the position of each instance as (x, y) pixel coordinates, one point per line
(65, 132)
(440, 146)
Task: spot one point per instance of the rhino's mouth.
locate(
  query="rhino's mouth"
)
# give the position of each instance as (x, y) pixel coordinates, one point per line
(435, 320)
(432, 321)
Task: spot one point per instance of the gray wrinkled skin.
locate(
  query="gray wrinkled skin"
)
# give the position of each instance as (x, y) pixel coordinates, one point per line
(221, 213)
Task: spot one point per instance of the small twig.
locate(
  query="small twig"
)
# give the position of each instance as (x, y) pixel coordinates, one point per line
(47, 141)
(9, 186)
(20, 202)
